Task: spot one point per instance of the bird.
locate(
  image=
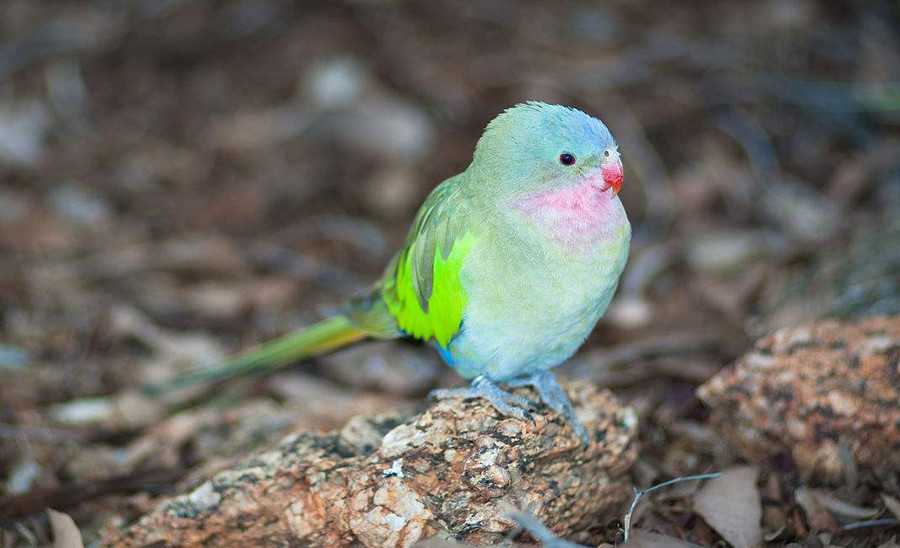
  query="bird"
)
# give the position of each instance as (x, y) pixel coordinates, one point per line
(505, 271)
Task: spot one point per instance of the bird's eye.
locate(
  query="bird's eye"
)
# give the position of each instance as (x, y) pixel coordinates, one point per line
(567, 159)
(606, 154)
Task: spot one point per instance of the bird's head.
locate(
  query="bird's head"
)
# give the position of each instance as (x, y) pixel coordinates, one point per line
(537, 147)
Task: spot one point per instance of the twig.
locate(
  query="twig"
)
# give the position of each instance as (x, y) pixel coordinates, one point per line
(638, 495)
(885, 522)
(540, 532)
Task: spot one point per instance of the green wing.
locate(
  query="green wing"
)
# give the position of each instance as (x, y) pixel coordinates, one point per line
(421, 287)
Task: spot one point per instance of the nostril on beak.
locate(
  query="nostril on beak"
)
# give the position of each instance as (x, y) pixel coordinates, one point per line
(613, 172)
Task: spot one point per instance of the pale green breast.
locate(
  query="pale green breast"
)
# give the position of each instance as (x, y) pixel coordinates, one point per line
(531, 301)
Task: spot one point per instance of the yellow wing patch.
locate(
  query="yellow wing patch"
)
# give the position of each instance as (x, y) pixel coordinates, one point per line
(447, 302)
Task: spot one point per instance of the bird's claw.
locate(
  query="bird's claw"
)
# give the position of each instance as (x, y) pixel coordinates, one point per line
(510, 405)
(555, 397)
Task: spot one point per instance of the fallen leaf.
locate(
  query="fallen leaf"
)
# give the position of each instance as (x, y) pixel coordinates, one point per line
(892, 504)
(65, 532)
(731, 505)
(839, 507)
(816, 516)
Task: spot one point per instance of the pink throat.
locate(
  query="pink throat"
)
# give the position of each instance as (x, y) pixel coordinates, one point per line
(575, 214)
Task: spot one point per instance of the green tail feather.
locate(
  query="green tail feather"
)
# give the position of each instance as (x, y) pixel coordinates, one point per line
(315, 340)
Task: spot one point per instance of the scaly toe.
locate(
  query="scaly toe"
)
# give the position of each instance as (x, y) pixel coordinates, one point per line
(512, 411)
(510, 405)
(555, 397)
(521, 401)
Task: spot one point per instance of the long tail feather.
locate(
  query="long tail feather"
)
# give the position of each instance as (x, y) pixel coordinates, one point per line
(315, 340)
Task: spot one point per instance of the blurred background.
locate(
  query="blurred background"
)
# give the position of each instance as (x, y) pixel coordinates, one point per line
(180, 179)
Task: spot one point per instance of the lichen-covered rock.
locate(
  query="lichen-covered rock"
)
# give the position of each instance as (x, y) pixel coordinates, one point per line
(827, 394)
(455, 471)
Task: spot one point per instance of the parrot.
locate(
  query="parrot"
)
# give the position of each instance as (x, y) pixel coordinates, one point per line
(505, 271)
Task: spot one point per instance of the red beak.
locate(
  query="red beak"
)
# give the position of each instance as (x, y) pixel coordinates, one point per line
(613, 175)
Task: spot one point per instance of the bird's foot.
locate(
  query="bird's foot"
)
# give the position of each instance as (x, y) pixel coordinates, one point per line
(507, 404)
(555, 397)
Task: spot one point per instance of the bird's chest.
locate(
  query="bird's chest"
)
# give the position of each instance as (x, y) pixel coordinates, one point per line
(566, 287)
(549, 277)
(533, 295)
(568, 249)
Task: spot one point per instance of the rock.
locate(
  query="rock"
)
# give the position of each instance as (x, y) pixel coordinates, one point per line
(452, 471)
(820, 393)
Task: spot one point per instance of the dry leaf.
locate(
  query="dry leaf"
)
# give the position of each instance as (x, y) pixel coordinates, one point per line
(816, 516)
(65, 532)
(892, 504)
(839, 507)
(731, 505)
